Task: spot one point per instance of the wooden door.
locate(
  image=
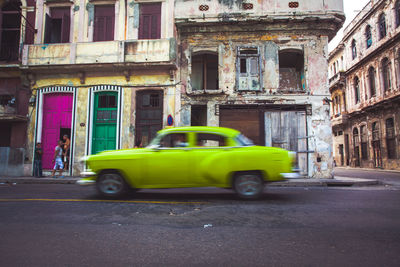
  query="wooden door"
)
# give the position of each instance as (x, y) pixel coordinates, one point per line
(104, 21)
(105, 121)
(149, 115)
(57, 114)
(288, 130)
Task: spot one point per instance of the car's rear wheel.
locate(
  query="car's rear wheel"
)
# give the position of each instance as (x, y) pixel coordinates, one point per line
(111, 184)
(248, 185)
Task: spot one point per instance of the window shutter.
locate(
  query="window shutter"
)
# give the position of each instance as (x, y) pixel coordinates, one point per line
(150, 21)
(65, 28)
(47, 29)
(104, 23)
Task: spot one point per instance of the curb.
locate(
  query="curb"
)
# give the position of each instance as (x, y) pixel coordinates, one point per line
(339, 181)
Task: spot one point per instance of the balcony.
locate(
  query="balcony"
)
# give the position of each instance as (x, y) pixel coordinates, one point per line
(339, 119)
(137, 52)
(337, 81)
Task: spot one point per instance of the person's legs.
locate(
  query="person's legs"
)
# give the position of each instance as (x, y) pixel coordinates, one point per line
(40, 168)
(35, 168)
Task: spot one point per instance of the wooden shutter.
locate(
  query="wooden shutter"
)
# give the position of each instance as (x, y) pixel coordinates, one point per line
(150, 21)
(104, 21)
(47, 29)
(29, 30)
(65, 28)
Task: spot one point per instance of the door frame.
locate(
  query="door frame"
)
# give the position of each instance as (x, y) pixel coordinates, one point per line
(39, 119)
(90, 117)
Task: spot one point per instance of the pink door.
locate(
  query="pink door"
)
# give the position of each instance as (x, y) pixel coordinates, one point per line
(57, 115)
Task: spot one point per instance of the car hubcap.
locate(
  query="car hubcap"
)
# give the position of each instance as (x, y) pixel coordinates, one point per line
(111, 183)
(249, 185)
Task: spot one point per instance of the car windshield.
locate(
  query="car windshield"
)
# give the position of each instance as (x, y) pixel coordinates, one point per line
(155, 142)
(243, 140)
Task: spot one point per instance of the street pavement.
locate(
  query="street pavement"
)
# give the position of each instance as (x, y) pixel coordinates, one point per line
(70, 225)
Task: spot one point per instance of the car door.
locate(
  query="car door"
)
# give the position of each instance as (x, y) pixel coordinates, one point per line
(168, 164)
(209, 160)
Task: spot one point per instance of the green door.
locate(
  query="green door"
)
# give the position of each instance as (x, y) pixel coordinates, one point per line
(104, 121)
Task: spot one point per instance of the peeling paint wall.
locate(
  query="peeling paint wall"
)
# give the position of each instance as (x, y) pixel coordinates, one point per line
(226, 41)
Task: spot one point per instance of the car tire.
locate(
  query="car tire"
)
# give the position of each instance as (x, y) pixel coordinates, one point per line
(248, 185)
(111, 185)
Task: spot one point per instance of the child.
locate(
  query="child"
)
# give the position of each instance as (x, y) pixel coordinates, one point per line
(37, 163)
(58, 163)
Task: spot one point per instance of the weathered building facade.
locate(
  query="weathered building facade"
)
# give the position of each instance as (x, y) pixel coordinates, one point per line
(261, 67)
(366, 120)
(15, 31)
(102, 72)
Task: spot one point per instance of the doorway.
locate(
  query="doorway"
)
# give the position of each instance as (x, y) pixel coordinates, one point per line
(57, 119)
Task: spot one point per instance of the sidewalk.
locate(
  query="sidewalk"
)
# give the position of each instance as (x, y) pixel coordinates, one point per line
(365, 169)
(338, 181)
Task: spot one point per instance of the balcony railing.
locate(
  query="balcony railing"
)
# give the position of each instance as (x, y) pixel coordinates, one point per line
(135, 51)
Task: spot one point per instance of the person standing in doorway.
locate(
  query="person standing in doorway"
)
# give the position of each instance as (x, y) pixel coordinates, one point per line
(66, 146)
(58, 163)
(37, 163)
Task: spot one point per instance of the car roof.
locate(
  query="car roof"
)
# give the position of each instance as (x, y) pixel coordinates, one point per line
(204, 129)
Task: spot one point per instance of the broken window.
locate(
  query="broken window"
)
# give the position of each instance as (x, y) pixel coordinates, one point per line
(397, 12)
(353, 49)
(104, 20)
(248, 68)
(382, 26)
(364, 142)
(10, 22)
(371, 78)
(291, 70)
(356, 90)
(368, 36)
(57, 25)
(150, 21)
(390, 139)
(204, 71)
(199, 115)
(387, 81)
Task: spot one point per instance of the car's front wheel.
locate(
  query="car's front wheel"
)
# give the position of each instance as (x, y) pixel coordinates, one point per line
(111, 185)
(248, 185)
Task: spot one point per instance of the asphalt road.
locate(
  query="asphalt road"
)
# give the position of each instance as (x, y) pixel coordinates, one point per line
(67, 225)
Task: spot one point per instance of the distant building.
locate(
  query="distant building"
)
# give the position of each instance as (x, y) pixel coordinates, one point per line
(365, 89)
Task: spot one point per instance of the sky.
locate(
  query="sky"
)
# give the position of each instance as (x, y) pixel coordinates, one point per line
(351, 9)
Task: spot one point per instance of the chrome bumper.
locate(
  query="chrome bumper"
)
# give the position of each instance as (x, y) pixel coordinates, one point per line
(86, 182)
(87, 174)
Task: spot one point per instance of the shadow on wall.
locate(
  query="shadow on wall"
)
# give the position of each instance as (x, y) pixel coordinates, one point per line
(12, 161)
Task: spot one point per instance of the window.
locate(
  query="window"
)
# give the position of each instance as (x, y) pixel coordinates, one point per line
(397, 12)
(10, 21)
(356, 90)
(57, 25)
(382, 26)
(210, 140)
(248, 68)
(204, 71)
(368, 36)
(390, 139)
(353, 49)
(104, 19)
(291, 70)
(198, 115)
(375, 131)
(386, 75)
(364, 142)
(371, 79)
(174, 140)
(150, 21)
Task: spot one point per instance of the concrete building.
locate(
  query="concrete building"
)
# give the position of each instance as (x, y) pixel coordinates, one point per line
(365, 88)
(261, 67)
(15, 31)
(102, 72)
(109, 74)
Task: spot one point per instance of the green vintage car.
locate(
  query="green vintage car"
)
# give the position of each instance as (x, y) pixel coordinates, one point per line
(190, 157)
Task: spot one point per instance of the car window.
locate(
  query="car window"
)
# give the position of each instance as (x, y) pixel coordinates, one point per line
(243, 140)
(174, 140)
(210, 140)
